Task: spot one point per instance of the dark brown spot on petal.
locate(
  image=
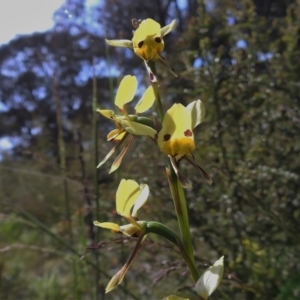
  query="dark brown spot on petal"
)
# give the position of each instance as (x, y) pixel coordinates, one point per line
(140, 44)
(188, 133)
(167, 137)
(157, 40)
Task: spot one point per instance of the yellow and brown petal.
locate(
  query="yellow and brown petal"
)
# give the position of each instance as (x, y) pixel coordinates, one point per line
(147, 40)
(176, 137)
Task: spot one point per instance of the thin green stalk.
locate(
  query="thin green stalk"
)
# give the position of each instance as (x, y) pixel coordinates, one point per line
(96, 172)
(181, 211)
(63, 168)
(150, 66)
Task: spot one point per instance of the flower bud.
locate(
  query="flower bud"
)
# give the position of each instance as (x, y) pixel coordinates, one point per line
(210, 279)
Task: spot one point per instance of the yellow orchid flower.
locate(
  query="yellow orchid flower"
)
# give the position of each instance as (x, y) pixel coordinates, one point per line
(127, 124)
(147, 41)
(130, 198)
(176, 137)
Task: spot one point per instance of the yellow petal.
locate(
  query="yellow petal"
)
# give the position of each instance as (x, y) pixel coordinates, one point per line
(168, 28)
(112, 226)
(110, 153)
(127, 194)
(116, 134)
(147, 40)
(135, 128)
(129, 229)
(117, 162)
(176, 137)
(107, 113)
(146, 28)
(146, 101)
(198, 112)
(144, 193)
(119, 43)
(126, 91)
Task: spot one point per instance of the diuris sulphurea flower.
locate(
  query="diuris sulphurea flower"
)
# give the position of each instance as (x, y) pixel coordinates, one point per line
(130, 197)
(128, 125)
(147, 41)
(176, 137)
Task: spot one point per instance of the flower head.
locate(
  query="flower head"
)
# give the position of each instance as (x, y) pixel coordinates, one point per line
(176, 137)
(128, 124)
(147, 41)
(130, 198)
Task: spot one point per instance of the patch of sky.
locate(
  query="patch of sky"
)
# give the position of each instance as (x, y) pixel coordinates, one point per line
(40, 92)
(230, 20)
(76, 103)
(3, 107)
(35, 130)
(6, 143)
(241, 44)
(12, 67)
(92, 17)
(198, 62)
(75, 30)
(84, 43)
(101, 68)
(182, 4)
(265, 56)
(209, 5)
(27, 17)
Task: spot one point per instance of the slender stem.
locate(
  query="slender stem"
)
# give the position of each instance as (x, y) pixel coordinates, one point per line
(181, 210)
(96, 171)
(63, 171)
(150, 66)
(160, 229)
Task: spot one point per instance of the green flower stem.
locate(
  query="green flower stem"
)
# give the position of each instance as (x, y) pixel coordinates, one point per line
(162, 230)
(63, 172)
(181, 210)
(150, 65)
(95, 175)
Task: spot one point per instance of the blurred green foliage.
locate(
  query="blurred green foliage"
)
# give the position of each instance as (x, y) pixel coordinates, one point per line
(241, 58)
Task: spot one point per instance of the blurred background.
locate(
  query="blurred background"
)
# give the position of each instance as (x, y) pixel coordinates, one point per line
(241, 58)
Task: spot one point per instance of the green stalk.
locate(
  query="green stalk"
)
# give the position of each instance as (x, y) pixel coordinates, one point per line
(150, 66)
(63, 168)
(181, 211)
(160, 229)
(96, 173)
